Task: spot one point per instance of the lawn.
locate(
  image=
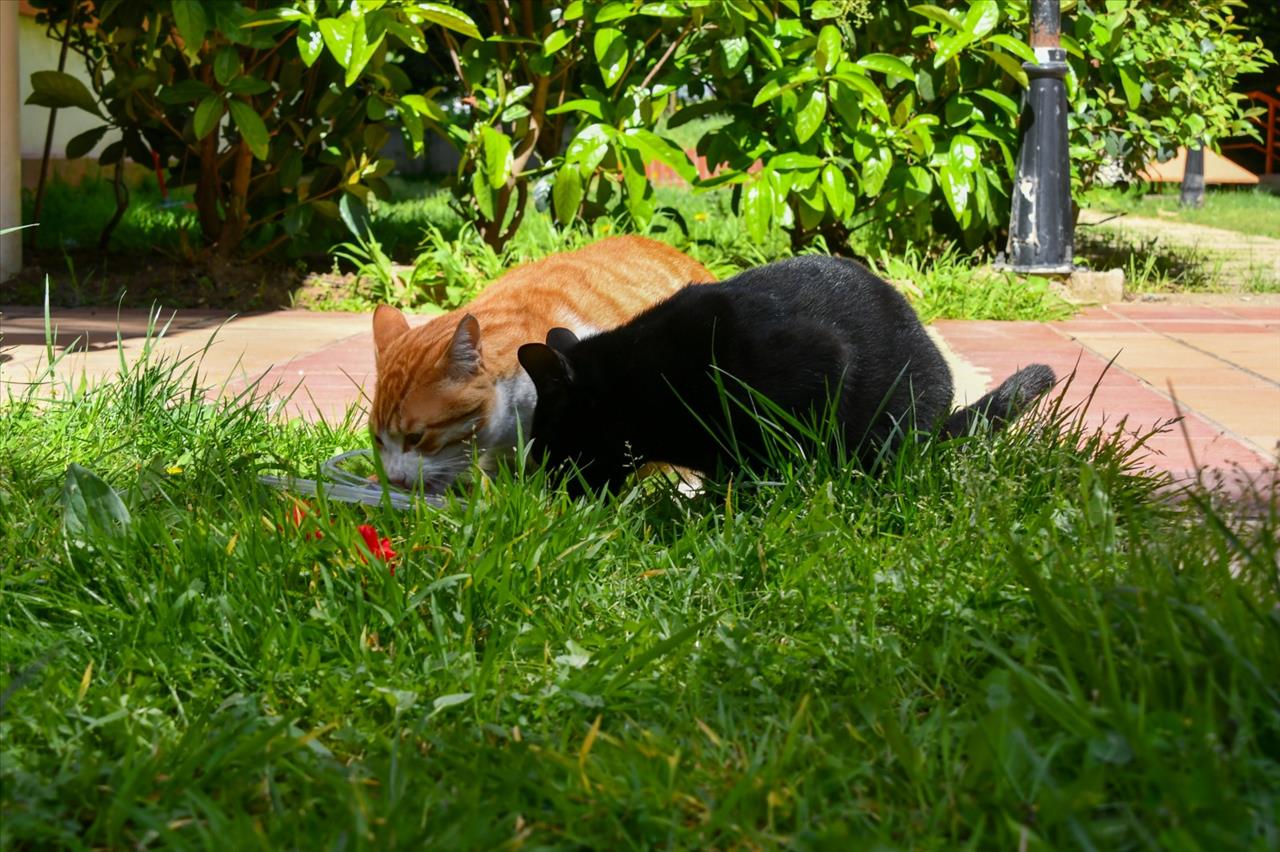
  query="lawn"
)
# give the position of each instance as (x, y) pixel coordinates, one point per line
(1162, 248)
(1007, 641)
(1246, 210)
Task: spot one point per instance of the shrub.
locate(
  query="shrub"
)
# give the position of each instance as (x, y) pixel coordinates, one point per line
(884, 124)
(889, 122)
(273, 111)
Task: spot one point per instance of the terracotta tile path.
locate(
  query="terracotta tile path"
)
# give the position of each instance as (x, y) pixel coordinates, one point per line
(1221, 363)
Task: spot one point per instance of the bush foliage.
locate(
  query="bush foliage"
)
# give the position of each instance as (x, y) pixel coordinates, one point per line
(887, 122)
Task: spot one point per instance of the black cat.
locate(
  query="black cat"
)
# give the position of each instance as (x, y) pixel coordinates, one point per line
(811, 334)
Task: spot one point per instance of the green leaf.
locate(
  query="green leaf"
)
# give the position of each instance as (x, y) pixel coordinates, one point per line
(614, 11)
(81, 144)
(589, 147)
(662, 10)
(1132, 91)
(91, 510)
(871, 96)
(291, 169)
(845, 102)
(192, 23)
(483, 194)
(310, 43)
(963, 154)
(653, 147)
(57, 89)
(956, 188)
(982, 18)
(554, 42)
(183, 92)
(248, 86)
(874, 171)
(410, 36)
(362, 51)
(918, 186)
(1017, 47)
(446, 701)
(354, 214)
(949, 46)
(1011, 65)
(757, 208)
(298, 218)
(412, 123)
(227, 18)
(829, 49)
(639, 192)
(809, 117)
(515, 112)
(924, 84)
(226, 65)
(1006, 103)
(825, 10)
(590, 107)
(497, 156)
(447, 17)
(734, 51)
(425, 107)
(566, 194)
(938, 15)
(251, 128)
(795, 160)
(611, 54)
(208, 112)
(339, 38)
(836, 189)
(887, 64)
(775, 85)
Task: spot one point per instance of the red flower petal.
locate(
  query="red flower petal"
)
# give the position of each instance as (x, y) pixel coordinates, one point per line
(379, 547)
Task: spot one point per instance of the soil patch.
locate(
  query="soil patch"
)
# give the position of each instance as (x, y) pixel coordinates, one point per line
(85, 278)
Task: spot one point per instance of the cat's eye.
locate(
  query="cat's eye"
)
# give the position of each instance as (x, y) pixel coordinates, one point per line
(413, 439)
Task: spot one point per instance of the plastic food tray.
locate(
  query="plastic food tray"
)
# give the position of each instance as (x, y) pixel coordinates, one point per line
(338, 483)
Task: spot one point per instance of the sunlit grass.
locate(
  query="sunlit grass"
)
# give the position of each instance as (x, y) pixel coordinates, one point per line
(1000, 641)
(1246, 210)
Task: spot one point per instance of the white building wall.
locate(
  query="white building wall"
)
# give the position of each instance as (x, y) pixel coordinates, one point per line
(37, 52)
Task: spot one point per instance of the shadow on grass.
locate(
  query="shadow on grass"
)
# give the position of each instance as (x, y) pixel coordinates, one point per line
(1148, 264)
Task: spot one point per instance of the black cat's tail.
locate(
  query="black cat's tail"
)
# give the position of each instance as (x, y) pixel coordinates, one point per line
(1005, 403)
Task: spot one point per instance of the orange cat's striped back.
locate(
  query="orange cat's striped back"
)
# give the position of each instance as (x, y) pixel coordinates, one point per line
(453, 386)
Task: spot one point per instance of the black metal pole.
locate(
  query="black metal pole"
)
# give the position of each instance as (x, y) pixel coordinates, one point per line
(1193, 178)
(1042, 226)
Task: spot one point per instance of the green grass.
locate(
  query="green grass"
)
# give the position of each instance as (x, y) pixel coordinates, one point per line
(1153, 265)
(72, 217)
(1246, 210)
(999, 642)
(952, 285)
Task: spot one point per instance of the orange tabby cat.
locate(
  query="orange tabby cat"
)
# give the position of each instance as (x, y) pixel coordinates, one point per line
(453, 387)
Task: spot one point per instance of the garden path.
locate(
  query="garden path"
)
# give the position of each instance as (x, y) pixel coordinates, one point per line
(1218, 365)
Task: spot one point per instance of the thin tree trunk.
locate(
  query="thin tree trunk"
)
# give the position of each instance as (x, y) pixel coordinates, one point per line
(233, 226)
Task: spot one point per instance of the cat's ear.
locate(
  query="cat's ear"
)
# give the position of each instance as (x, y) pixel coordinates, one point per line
(464, 350)
(548, 368)
(388, 325)
(561, 339)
